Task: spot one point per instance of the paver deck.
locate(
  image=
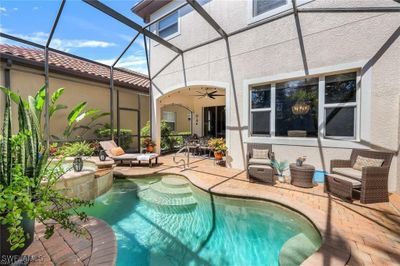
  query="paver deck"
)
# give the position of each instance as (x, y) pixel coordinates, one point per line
(372, 231)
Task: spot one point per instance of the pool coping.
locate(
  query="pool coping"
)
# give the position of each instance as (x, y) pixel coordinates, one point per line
(334, 250)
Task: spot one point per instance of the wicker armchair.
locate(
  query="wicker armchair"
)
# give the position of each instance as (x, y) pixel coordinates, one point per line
(374, 180)
(260, 169)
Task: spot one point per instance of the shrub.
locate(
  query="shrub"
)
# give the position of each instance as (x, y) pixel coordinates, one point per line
(76, 148)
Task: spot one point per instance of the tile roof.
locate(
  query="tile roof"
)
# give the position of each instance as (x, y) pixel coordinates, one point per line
(122, 77)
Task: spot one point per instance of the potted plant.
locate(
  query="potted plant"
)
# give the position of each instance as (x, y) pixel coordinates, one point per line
(218, 146)
(27, 179)
(280, 167)
(148, 144)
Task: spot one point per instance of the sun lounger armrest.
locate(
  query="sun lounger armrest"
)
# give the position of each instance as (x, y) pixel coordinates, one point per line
(340, 164)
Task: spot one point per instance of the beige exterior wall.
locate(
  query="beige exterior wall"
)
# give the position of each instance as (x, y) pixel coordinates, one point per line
(26, 81)
(182, 123)
(338, 42)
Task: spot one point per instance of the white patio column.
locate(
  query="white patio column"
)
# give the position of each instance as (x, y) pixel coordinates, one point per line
(156, 122)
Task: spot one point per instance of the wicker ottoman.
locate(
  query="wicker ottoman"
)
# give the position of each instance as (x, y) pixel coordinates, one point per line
(301, 176)
(264, 173)
(341, 186)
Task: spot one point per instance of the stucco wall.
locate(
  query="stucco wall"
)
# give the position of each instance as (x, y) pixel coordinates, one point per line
(182, 124)
(26, 81)
(330, 40)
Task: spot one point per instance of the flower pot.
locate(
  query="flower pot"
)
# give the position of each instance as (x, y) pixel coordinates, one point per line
(218, 155)
(29, 228)
(150, 148)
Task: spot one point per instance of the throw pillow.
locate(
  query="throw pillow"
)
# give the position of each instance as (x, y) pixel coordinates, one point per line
(260, 153)
(364, 162)
(117, 151)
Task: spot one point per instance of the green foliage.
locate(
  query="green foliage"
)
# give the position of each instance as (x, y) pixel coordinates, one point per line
(125, 135)
(27, 177)
(280, 166)
(147, 142)
(76, 148)
(166, 139)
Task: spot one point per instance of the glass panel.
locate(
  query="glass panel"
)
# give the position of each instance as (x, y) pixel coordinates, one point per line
(128, 121)
(221, 121)
(260, 123)
(168, 31)
(261, 97)
(340, 88)
(262, 6)
(297, 108)
(209, 121)
(340, 121)
(171, 125)
(169, 116)
(168, 21)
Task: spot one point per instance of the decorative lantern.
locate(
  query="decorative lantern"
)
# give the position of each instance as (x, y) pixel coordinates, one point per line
(78, 164)
(102, 155)
(300, 108)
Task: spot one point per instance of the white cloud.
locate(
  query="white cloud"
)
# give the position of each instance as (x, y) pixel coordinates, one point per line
(136, 62)
(3, 9)
(15, 8)
(64, 44)
(35, 8)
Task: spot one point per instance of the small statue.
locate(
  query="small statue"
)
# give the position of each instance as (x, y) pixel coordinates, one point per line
(300, 160)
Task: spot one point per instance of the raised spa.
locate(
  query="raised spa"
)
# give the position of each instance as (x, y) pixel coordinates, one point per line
(165, 220)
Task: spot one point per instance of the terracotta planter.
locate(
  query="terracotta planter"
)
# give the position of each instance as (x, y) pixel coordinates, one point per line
(218, 155)
(29, 227)
(150, 148)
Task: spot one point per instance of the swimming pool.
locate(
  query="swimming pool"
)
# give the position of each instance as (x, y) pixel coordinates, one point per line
(165, 220)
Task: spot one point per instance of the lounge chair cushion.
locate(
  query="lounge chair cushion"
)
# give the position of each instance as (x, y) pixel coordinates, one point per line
(260, 153)
(364, 162)
(259, 161)
(354, 182)
(126, 156)
(349, 172)
(117, 151)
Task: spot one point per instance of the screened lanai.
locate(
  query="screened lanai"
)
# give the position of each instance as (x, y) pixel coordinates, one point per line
(123, 22)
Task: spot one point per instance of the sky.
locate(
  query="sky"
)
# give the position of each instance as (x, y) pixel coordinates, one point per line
(82, 30)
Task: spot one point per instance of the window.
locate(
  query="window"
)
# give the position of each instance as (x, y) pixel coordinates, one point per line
(340, 105)
(170, 119)
(296, 108)
(260, 110)
(263, 6)
(168, 25)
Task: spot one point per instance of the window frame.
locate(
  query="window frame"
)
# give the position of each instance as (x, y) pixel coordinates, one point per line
(169, 121)
(322, 106)
(267, 109)
(288, 6)
(166, 27)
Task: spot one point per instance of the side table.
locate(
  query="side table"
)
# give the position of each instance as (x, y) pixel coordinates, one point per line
(302, 176)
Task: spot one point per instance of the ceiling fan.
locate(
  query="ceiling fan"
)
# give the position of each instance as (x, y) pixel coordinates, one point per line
(207, 94)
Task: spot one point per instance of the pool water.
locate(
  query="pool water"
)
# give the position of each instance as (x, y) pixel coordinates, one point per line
(164, 220)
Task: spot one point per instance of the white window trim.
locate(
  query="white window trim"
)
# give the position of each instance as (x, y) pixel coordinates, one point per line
(273, 12)
(253, 110)
(313, 142)
(173, 35)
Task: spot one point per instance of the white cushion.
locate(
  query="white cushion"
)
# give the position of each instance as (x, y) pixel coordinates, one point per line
(260, 153)
(365, 161)
(259, 161)
(349, 172)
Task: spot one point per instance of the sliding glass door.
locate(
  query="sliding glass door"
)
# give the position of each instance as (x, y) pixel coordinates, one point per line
(214, 121)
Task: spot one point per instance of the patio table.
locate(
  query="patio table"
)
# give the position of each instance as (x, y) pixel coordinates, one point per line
(301, 176)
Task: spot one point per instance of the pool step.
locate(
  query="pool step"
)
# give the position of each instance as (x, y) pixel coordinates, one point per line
(167, 203)
(180, 192)
(174, 182)
(296, 250)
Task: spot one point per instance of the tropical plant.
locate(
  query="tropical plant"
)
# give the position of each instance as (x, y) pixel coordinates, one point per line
(76, 148)
(165, 134)
(27, 180)
(124, 138)
(217, 144)
(280, 166)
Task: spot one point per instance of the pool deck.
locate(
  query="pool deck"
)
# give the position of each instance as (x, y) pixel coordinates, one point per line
(371, 232)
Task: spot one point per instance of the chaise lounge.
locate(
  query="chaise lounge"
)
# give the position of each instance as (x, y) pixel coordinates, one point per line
(366, 171)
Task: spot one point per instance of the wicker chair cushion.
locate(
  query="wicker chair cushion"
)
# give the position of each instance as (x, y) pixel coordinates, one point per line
(349, 172)
(364, 162)
(354, 182)
(260, 153)
(259, 161)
